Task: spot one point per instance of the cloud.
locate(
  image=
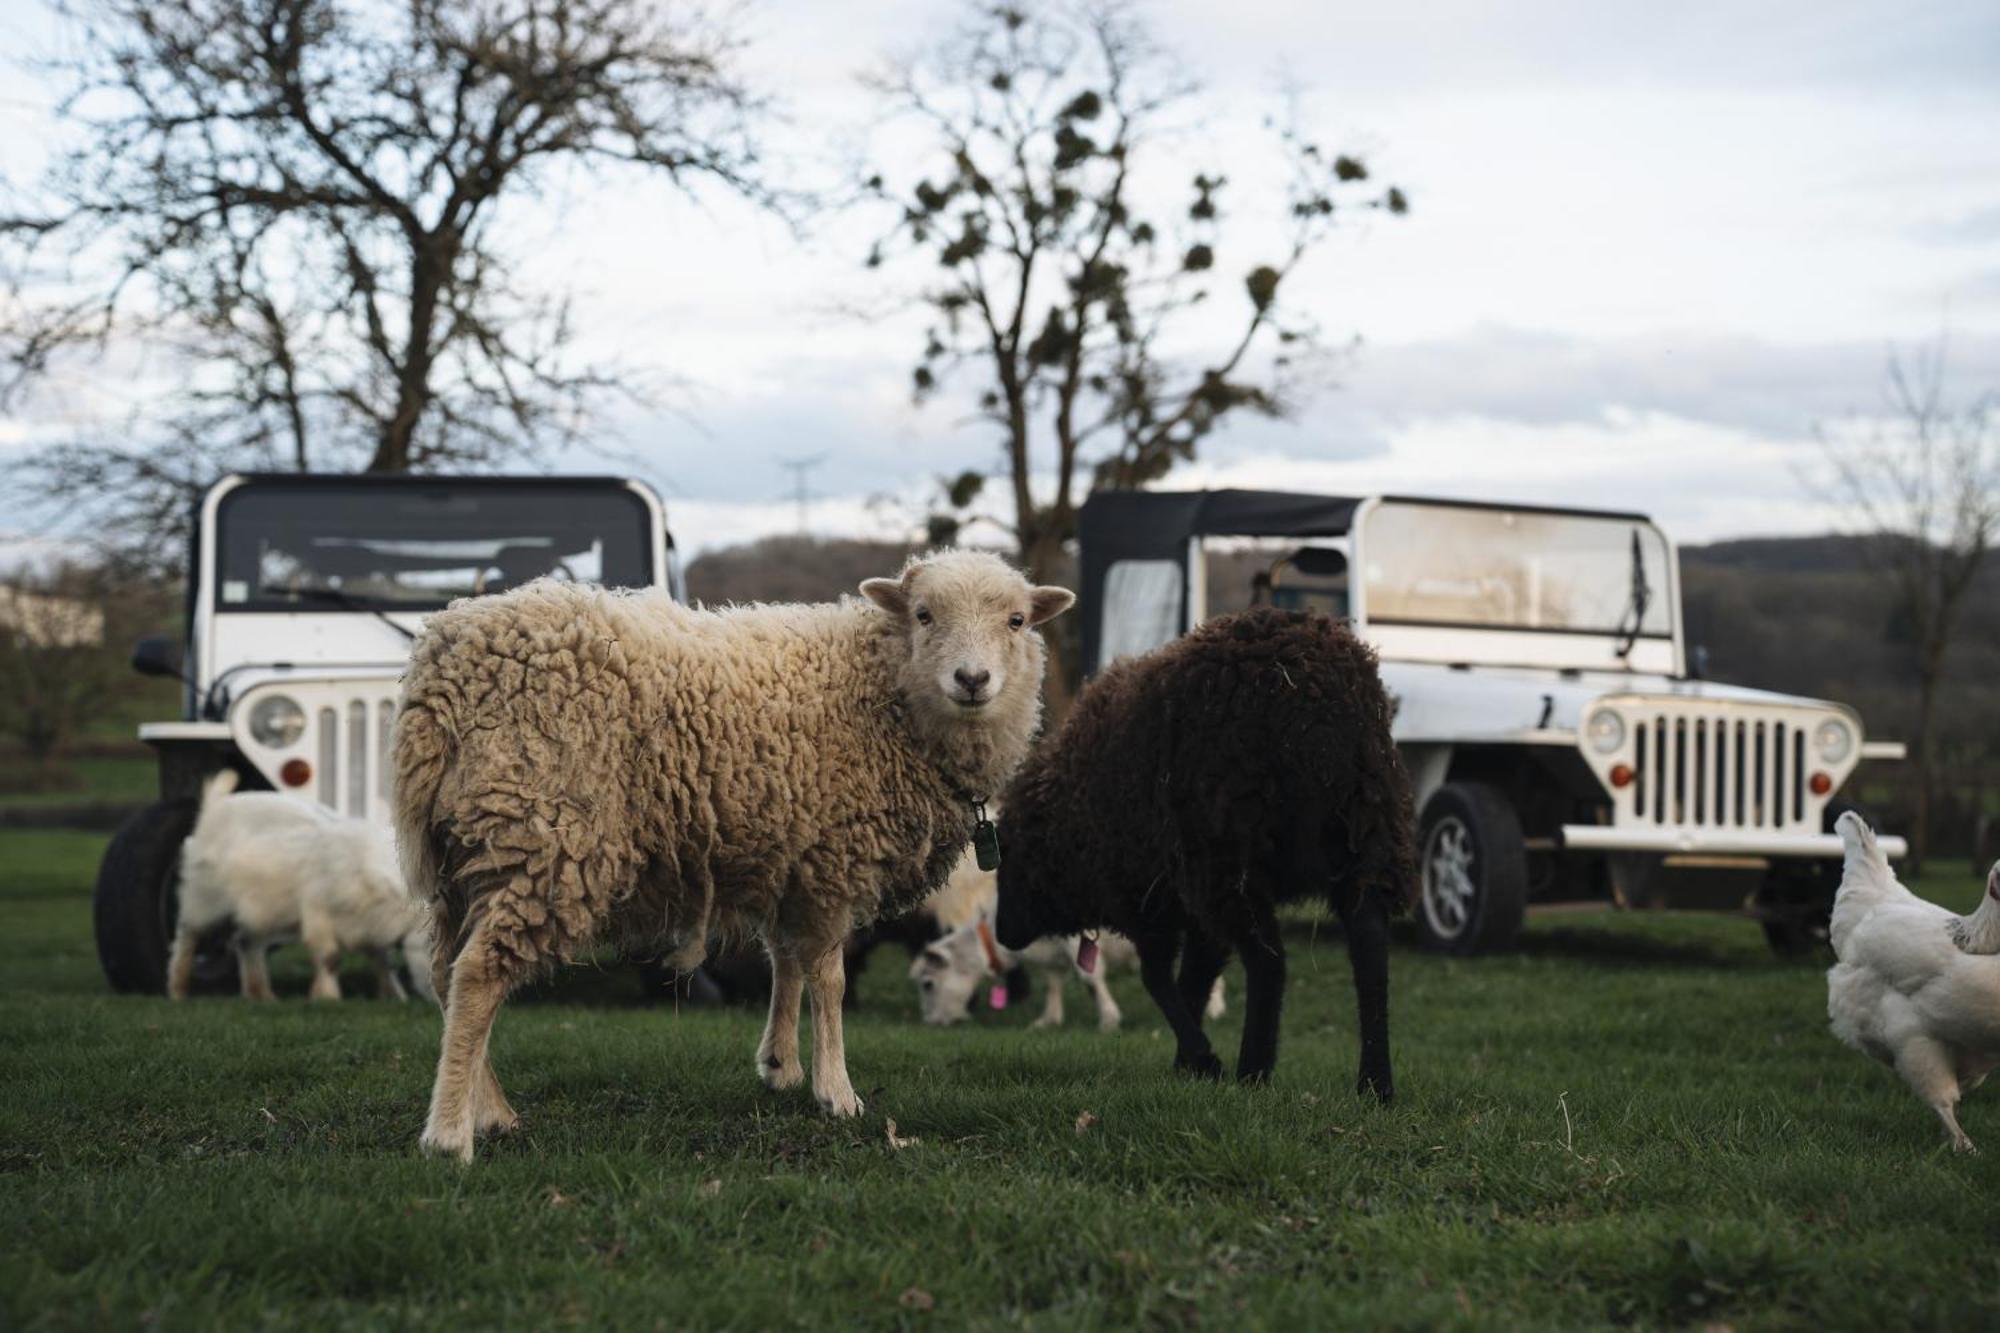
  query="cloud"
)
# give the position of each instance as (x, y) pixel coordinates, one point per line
(1781, 390)
(1715, 432)
(1699, 479)
(1981, 226)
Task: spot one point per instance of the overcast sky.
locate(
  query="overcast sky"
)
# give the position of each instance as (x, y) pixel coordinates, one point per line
(1650, 247)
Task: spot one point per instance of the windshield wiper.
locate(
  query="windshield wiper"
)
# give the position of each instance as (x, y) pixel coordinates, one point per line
(351, 603)
(1635, 606)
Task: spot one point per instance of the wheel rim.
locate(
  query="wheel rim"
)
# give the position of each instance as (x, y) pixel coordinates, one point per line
(1449, 886)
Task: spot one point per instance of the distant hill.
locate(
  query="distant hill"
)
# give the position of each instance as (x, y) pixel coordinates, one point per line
(1809, 615)
(790, 569)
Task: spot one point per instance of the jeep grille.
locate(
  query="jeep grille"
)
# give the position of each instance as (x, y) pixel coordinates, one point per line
(1719, 770)
(349, 722)
(1720, 764)
(353, 768)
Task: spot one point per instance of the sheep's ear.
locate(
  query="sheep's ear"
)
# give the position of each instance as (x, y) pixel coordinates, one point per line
(889, 594)
(1047, 602)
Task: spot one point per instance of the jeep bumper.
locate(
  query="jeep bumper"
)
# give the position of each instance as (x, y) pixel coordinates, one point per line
(1711, 841)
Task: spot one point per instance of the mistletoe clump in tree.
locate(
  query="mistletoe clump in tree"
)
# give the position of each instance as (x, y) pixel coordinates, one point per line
(1109, 337)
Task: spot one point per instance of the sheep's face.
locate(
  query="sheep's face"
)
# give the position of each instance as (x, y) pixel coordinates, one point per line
(969, 623)
(947, 973)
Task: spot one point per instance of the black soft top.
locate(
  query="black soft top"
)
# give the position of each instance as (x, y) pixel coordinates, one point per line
(1158, 525)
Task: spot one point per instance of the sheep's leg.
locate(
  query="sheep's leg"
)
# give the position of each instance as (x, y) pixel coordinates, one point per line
(254, 964)
(387, 984)
(180, 965)
(491, 1112)
(1367, 927)
(323, 946)
(1202, 960)
(1052, 1004)
(778, 1053)
(479, 982)
(828, 979)
(1263, 950)
(1928, 1068)
(1156, 969)
(1108, 1015)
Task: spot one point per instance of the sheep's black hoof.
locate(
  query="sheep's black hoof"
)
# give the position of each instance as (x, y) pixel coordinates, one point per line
(1382, 1088)
(1254, 1078)
(1204, 1065)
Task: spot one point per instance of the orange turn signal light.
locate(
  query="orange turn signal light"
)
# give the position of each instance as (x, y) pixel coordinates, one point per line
(1821, 784)
(295, 773)
(1621, 775)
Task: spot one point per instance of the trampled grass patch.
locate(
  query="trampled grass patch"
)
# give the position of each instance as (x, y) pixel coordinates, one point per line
(1637, 1120)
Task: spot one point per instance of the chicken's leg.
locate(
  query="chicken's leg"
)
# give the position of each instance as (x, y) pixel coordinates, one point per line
(1930, 1071)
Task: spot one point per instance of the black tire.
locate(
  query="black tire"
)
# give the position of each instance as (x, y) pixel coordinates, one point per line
(1796, 904)
(1793, 938)
(137, 899)
(1473, 871)
(1797, 899)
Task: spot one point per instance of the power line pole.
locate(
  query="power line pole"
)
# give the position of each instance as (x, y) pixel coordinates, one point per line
(801, 496)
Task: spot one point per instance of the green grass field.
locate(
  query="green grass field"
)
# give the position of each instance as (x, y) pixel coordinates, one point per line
(109, 780)
(1635, 1121)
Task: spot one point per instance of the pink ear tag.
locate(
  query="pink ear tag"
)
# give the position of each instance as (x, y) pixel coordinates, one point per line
(1086, 955)
(997, 997)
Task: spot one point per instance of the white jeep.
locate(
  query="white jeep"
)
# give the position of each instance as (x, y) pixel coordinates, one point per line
(1558, 744)
(303, 594)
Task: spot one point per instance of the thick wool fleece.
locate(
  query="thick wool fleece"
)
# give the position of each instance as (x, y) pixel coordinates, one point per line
(1178, 770)
(1194, 789)
(574, 764)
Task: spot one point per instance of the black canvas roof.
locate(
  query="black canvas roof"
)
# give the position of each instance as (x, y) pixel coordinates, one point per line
(1157, 525)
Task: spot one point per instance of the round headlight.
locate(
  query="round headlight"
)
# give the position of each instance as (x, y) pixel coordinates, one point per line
(1834, 740)
(277, 721)
(1605, 730)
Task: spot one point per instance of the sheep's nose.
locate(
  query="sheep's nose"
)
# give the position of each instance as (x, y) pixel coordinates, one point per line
(972, 682)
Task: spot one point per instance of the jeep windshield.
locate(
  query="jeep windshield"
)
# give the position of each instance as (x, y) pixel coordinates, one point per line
(414, 546)
(1473, 567)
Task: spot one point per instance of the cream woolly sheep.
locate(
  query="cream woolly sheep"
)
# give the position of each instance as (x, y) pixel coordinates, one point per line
(281, 869)
(574, 765)
(953, 966)
(951, 969)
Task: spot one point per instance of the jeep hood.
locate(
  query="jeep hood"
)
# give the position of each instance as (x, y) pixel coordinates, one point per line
(1528, 705)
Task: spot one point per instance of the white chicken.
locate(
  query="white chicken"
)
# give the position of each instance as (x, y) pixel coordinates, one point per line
(1916, 987)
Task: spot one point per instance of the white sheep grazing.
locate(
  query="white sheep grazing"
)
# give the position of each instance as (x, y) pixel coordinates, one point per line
(282, 869)
(951, 969)
(575, 766)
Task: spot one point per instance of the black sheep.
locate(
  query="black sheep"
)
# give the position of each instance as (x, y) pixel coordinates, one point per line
(1193, 790)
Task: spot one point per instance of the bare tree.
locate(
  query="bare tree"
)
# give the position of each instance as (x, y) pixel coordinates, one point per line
(1924, 487)
(305, 205)
(1108, 342)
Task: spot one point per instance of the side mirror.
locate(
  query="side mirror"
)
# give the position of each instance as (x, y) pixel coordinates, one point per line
(157, 655)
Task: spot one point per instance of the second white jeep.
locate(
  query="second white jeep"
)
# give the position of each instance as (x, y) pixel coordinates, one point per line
(1558, 743)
